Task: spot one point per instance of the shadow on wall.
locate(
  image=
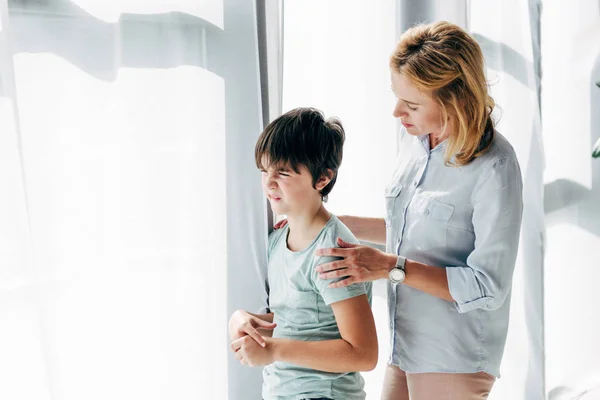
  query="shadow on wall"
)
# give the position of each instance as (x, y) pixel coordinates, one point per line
(589, 391)
(596, 150)
(564, 193)
(502, 57)
(100, 48)
(592, 394)
(561, 193)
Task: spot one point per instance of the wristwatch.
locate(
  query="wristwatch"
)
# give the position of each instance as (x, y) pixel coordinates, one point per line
(397, 274)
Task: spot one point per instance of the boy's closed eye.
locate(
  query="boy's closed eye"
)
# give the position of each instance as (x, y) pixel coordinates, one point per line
(283, 172)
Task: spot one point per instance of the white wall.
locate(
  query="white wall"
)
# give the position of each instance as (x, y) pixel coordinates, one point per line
(571, 124)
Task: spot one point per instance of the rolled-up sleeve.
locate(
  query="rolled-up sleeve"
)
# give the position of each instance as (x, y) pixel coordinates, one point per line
(485, 282)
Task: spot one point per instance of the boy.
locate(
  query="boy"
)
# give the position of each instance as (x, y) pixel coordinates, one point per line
(315, 338)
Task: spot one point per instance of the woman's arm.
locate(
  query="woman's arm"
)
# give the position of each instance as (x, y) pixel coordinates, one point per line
(484, 281)
(357, 350)
(363, 263)
(365, 228)
(426, 278)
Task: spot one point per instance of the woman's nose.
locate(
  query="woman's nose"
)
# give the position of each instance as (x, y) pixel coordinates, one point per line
(398, 111)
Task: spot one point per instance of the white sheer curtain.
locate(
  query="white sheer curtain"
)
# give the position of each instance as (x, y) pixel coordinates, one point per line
(117, 119)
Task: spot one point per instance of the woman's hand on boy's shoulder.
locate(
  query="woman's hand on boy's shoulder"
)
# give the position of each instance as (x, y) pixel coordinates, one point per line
(356, 263)
(280, 224)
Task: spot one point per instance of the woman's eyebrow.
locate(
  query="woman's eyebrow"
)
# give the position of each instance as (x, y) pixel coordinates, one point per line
(400, 98)
(409, 102)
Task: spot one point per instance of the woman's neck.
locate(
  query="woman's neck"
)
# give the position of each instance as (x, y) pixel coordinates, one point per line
(437, 138)
(434, 141)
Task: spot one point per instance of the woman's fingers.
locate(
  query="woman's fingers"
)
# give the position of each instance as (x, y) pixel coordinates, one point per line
(335, 274)
(333, 252)
(343, 282)
(345, 245)
(330, 266)
(280, 224)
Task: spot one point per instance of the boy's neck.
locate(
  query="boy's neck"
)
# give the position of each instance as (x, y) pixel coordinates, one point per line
(305, 227)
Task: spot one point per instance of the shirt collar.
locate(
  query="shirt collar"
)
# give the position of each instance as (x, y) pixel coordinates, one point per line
(424, 139)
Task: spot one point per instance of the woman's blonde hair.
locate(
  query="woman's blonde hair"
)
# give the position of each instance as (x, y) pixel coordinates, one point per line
(443, 59)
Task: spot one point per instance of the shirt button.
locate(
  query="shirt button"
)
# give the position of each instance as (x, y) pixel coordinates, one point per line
(426, 212)
(415, 183)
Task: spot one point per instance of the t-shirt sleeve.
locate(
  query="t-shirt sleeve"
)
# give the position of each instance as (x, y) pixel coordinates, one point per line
(273, 239)
(333, 295)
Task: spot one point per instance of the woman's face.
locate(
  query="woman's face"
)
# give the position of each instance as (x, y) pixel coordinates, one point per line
(419, 112)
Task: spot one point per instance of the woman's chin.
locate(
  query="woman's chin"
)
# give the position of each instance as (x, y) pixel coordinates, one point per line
(415, 132)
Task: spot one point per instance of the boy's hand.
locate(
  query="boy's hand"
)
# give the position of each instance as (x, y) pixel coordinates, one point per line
(243, 324)
(248, 352)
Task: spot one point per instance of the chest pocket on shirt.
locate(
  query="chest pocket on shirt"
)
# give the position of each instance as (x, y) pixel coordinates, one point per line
(428, 224)
(391, 198)
(302, 306)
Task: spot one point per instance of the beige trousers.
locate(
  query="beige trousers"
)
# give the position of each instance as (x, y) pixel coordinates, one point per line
(399, 385)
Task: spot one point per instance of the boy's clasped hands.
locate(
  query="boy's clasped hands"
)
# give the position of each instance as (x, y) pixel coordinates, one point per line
(248, 345)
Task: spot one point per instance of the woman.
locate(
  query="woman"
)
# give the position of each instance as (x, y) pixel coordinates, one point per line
(452, 224)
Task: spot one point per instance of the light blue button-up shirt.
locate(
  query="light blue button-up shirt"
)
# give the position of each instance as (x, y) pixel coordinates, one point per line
(466, 219)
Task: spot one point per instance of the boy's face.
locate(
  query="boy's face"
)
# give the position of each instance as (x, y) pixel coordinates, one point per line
(289, 192)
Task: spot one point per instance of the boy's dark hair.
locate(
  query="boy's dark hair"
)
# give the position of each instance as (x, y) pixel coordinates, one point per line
(302, 136)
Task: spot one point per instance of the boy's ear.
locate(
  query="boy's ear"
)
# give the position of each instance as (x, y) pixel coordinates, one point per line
(324, 179)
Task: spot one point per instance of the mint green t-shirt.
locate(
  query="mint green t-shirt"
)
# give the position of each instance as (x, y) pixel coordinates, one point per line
(301, 303)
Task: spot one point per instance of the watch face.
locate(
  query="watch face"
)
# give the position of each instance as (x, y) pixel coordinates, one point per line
(397, 275)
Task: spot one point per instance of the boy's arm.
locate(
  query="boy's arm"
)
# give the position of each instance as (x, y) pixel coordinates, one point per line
(357, 350)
